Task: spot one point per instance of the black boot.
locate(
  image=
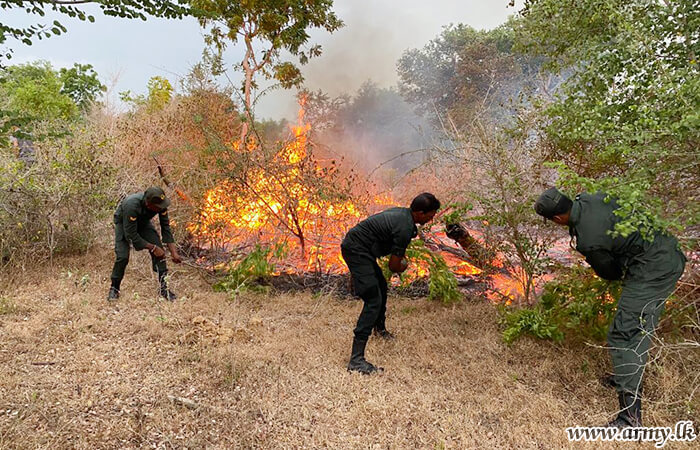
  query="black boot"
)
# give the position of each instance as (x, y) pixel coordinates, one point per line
(113, 294)
(358, 363)
(114, 290)
(167, 293)
(164, 291)
(630, 412)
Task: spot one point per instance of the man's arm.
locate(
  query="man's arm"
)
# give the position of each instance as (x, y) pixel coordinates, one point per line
(130, 221)
(604, 264)
(165, 230)
(397, 260)
(167, 233)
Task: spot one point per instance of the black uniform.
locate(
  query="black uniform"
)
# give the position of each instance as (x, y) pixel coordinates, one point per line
(132, 224)
(388, 232)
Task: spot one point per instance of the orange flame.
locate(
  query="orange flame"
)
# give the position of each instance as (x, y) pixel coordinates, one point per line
(281, 202)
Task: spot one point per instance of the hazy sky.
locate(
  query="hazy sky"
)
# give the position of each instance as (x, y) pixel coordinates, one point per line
(126, 53)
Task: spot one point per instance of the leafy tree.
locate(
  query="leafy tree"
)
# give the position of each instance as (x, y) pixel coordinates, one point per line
(35, 91)
(626, 122)
(267, 27)
(129, 9)
(160, 92)
(81, 84)
(465, 71)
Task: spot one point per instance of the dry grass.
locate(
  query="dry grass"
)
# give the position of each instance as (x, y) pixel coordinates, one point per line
(269, 371)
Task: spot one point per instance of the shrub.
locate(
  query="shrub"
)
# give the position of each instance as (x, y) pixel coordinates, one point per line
(55, 203)
(577, 303)
(537, 322)
(442, 284)
(254, 269)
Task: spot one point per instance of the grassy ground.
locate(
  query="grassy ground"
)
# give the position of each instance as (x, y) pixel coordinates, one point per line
(268, 371)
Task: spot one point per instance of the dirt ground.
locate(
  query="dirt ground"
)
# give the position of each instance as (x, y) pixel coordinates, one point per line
(268, 371)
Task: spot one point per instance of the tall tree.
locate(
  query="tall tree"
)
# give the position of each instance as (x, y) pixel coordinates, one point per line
(129, 9)
(464, 72)
(267, 27)
(34, 93)
(81, 84)
(627, 120)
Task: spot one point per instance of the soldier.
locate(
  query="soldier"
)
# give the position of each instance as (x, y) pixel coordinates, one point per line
(132, 224)
(386, 233)
(649, 271)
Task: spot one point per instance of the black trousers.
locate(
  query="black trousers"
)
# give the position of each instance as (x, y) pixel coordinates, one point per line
(370, 285)
(122, 249)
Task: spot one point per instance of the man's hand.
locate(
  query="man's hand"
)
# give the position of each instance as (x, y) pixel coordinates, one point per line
(174, 254)
(157, 251)
(397, 264)
(455, 231)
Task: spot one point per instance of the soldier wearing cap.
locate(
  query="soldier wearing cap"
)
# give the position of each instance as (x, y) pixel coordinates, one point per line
(648, 269)
(386, 233)
(132, 225)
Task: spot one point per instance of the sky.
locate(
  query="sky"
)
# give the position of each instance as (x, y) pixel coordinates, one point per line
(126, 53)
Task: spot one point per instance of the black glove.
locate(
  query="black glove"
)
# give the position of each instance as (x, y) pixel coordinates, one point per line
(455, 231)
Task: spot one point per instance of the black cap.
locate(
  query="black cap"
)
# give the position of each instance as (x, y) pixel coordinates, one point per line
(551, 203)
(156, 196)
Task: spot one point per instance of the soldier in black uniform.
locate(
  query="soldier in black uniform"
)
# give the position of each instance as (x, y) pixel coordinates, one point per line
(132, 224)
(649, 270)
(386, 233)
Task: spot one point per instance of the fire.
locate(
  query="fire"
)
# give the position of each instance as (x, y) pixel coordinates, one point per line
(278, 204)
(460, 267)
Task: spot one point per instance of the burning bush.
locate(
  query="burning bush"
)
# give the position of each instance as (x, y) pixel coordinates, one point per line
(283, 195)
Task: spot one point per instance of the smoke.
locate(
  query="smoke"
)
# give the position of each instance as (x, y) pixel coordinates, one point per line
(375, 34)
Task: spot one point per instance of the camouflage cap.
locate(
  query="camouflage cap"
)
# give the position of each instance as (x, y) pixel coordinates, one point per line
(552, 202)
(156, 196)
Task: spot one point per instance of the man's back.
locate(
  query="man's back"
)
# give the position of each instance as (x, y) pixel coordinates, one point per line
(593, 221)
(389, 231)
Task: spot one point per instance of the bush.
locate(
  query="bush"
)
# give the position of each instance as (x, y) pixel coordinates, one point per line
(55, 203)
(442, 284)
(248, 273)
(578, 303)
(537, 322)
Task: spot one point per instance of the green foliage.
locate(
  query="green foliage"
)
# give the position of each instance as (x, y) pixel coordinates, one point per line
(535, 322)
(276, 26)
(577, 303)
(129, 9)
(249, 272)
(280, 25)
(35, 91)
(457, 212)
(442, 283)
(43, 203)
(626, 121)
(465, 71)
(160, 92)
(81, 84)
(34, 94)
